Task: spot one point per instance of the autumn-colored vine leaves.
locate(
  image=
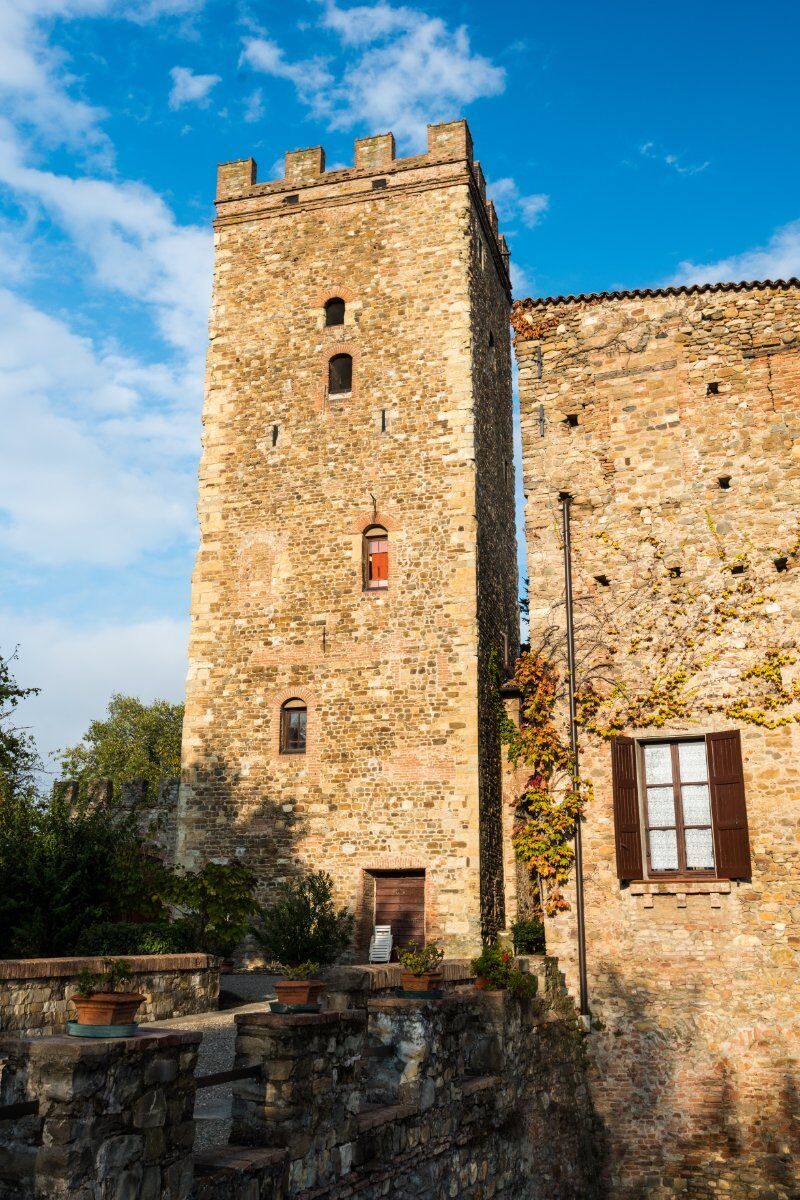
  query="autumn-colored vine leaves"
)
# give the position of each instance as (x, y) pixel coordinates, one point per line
(670, 635)
(553, 799)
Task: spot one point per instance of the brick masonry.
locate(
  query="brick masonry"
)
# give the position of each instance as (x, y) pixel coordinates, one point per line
(402, 761)
(693, 986)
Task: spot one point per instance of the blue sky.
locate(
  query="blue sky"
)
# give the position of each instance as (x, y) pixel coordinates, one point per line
(626, 145)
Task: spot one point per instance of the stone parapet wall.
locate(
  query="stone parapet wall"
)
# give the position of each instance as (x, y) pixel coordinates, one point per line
(474, 1095)
(115, 1117)
(35, 993)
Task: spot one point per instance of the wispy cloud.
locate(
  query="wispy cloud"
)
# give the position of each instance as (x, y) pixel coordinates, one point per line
(254, 107)
(131, 237)
(110, 434)
(35, 81)
(778, 259)
(406, 69)
(79, 668)
(674, 161)
(188, 88)
(512, 204)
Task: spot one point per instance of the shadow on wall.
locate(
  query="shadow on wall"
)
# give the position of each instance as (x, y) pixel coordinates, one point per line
(693, 1112)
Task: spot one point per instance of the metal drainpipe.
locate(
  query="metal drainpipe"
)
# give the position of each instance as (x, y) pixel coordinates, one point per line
(566, 501)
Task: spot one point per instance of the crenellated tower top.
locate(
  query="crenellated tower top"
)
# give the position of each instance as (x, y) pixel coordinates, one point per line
(376, 172)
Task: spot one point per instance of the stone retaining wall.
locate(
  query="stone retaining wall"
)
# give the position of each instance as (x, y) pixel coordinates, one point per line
(114, 1122)
(35, 993)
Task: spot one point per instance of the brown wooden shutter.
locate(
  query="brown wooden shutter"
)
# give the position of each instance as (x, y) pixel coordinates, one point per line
(627, 827)
(728, 807)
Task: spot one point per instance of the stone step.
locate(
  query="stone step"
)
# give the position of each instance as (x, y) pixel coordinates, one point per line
(237, 1173)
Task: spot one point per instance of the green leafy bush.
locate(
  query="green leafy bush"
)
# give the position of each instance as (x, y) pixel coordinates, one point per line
(496, 964)
(527, 934)
(421, 960)
(216, 904)
(125, 937)
(116, 971)
(64, 868)
(304, 925)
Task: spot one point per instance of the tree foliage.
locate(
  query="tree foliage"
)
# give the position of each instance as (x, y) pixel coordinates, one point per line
(19, 759)
(135, 741)
(216, 903)
(304, 925)
(64, 868)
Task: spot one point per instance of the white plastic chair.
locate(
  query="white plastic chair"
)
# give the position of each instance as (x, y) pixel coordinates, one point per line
(380, 944)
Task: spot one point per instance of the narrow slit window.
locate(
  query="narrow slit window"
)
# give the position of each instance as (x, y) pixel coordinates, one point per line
(376, 558)
(274, 435)
(294, 715)
(340, 374)
(334, 311)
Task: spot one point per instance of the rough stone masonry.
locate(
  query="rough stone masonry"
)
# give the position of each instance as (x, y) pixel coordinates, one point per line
(673, 418)
(401, 770)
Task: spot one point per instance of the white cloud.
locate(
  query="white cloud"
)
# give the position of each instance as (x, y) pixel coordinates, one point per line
(409, 69)
(188, 88)
(254, 108)
(35, 82)
(78, 669)
(512, 204)
(521, 282)
(658, 154)
(779, 259)
(98, 450)
(131, 236)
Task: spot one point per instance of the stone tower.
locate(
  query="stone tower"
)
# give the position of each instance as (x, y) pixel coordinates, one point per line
(357, 556)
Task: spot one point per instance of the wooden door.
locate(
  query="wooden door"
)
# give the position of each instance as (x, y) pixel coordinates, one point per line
(400, 902)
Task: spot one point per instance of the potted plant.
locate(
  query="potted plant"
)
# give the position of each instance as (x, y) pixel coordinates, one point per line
(421, 967)
(301, 933)
(496, 971)
(99, 1003)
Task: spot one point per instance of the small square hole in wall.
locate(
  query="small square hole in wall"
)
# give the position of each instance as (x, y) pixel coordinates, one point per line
(674, 572)
(571, 420)
(603, 580)
(781, 564)
(379, 183)
(737, 569)
(293, 199)
(712, 389)
(724, 482)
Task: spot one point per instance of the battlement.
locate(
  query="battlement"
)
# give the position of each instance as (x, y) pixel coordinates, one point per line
(375, 170)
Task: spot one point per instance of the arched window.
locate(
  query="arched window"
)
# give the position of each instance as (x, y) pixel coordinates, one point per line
(376, 557)
(334, 311)
(340, 374)
(293, 727)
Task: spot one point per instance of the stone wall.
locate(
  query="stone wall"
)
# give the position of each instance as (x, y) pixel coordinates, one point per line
(674, 420)
(114, 1121)
(394, 776)
(35, 993)
(473, 1095)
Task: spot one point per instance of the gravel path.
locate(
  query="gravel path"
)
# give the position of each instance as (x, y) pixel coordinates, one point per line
(213, 1105)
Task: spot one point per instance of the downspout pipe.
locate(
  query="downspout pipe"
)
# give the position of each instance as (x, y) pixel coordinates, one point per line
(566, 501)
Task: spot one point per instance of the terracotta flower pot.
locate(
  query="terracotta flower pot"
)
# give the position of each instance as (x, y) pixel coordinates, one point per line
(429, 982)
(299, 991)
(107, 1008)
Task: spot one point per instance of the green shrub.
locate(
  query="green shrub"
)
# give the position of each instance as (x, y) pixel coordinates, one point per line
(304, 925)
(64, 868)
(216, 905)
(496, 964)
(125, 937)
(421, 960)
(527, 933)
